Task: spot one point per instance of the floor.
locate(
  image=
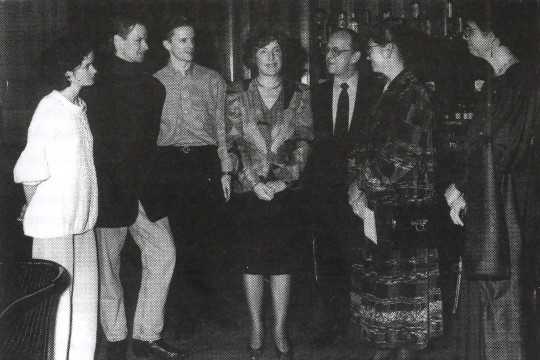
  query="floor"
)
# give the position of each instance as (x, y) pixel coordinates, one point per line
(212, 343)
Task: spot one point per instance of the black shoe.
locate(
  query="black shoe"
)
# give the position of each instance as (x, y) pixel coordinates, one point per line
(116, 350)
(159, 349)
(255, 354)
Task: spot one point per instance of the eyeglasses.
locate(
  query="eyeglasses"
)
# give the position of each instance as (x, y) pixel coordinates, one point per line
(335, 52)
(467, 32)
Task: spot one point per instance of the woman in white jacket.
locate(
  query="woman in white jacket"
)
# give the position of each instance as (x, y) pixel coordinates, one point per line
(57, 171)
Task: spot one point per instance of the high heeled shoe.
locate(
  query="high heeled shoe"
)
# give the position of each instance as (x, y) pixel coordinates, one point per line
(255, 354)
(287, 355)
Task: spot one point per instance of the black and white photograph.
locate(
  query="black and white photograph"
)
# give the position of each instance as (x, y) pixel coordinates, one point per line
(270, 179)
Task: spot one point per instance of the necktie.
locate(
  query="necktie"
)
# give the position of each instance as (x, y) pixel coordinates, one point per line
(342, 115)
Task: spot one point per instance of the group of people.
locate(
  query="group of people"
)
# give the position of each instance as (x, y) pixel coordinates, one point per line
(159, 156)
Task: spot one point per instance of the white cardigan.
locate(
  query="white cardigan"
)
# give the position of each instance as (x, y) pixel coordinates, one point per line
(58, 158)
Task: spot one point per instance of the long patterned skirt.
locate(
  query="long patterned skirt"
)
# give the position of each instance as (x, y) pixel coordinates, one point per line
(396, 299)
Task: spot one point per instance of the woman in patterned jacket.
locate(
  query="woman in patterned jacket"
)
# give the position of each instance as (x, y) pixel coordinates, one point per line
(395, 296)
(270, 129)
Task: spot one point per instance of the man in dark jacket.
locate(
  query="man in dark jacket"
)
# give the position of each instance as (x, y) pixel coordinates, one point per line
(340, 107)
(124, 110)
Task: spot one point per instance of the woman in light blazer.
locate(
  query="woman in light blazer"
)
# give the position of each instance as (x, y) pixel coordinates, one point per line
(270, 124)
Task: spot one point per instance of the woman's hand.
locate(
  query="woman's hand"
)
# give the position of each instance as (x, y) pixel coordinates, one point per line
(358, 208)
(454, 199)
(456, 207)
(357, 200)
(23, 211)
(263, 191)
(277, 185)
(226, 186)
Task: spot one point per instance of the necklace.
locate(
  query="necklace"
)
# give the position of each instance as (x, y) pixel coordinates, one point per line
(267, 87)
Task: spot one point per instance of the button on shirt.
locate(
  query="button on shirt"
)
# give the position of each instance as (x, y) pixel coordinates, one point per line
(193, 112)
(353, 84)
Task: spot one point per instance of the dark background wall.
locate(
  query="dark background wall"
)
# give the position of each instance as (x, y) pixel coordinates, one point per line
(27, 26)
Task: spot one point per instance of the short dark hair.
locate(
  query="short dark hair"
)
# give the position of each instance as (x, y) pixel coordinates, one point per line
(172, 23)
(63, 55)
(123, 23)
(513, 24)
(405, 38)
(356, 39)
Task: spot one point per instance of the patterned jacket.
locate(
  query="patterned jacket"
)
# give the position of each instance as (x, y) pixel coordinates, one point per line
(285, 155)
(395, 163)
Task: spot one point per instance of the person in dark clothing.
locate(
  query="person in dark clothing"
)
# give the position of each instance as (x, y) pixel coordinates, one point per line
(494, 302)
(338, 120)
(124, 114)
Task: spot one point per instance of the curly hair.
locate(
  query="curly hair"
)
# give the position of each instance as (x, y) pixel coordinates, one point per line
(293, 57)
(64, 54)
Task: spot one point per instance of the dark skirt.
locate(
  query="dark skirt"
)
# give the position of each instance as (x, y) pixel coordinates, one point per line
(269, 232)
(396, 298)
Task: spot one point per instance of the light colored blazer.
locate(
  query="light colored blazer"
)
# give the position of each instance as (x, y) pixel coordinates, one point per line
(282, 158)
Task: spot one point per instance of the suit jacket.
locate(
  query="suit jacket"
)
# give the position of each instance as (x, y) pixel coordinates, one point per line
(327, 170)
(124, 113)
(285, 155)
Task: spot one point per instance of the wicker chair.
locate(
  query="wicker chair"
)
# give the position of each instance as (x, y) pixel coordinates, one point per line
(29, 296)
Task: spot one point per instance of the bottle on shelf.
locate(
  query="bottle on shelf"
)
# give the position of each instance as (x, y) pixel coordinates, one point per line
(415, 16)
(353, 24)
(427, 26)
(419, 20)
(386, 11)
(367, 17)
(319, 21)
(451, 22)
(342, 20)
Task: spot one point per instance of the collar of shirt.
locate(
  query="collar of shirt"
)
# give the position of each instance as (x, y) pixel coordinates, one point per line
(175, 72)
(71, 107)
(353, 85)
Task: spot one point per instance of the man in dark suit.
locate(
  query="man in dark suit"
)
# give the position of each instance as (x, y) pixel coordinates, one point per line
(124, 110)
(340, 106)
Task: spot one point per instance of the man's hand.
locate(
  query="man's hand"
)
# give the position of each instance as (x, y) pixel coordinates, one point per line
(277, 185)
(226, 185)
(263, 191)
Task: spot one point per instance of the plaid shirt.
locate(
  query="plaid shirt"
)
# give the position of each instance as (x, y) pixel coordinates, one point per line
(394, 163)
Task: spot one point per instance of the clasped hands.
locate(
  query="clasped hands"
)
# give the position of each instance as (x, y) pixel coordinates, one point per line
(266, 191)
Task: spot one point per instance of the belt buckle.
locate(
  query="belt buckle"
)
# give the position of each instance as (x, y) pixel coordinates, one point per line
(186, 149)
